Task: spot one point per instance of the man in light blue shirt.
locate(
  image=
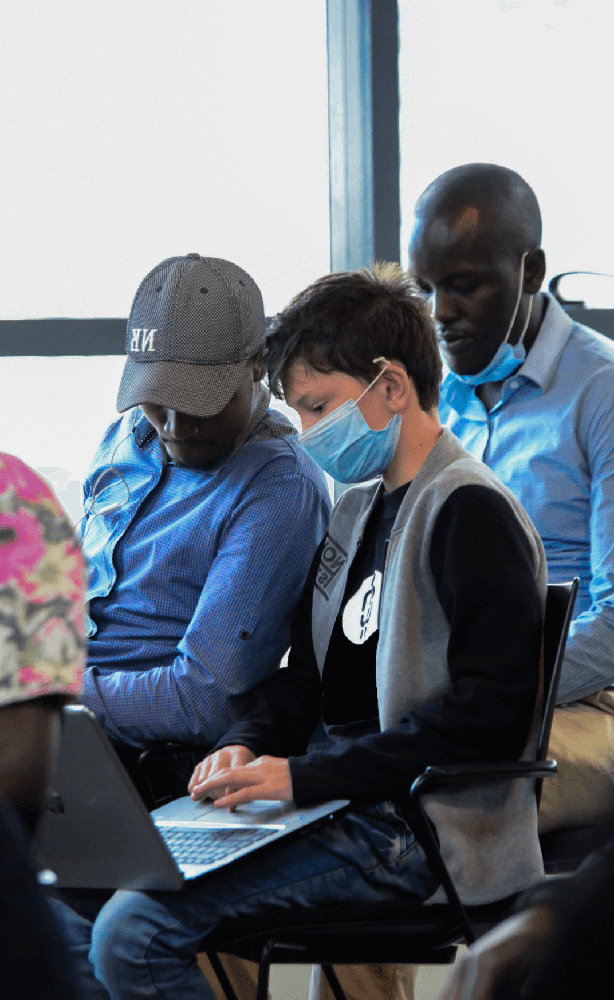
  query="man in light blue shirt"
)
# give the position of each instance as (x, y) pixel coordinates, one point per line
(531, 393)
(547, 428)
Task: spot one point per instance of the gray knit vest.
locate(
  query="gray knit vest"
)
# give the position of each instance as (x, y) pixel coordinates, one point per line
(488, 834)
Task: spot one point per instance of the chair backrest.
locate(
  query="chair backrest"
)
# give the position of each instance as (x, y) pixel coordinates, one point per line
(560, 601)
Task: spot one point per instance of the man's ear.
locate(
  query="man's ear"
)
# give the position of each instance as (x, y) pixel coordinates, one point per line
(534, 271)
(257, 364)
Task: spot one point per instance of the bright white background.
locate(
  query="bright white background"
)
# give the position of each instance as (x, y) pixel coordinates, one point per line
(524, 83)
(134, 131)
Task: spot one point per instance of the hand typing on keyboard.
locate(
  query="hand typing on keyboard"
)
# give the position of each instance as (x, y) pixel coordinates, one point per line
(242, 779)
(221, 760)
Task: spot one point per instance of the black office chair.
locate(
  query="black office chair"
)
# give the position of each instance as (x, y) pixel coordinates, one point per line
(351, 933)
(565, 849)
(160, 772)
(163, 771)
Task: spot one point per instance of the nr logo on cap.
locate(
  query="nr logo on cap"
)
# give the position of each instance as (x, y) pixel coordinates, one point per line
(142, 339)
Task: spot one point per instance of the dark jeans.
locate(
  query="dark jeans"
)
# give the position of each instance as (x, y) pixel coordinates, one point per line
(145, 944)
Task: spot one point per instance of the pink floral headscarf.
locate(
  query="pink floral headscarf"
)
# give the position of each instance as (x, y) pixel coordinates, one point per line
(42, 590)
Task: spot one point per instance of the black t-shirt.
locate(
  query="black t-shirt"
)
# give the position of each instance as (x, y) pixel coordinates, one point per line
(348, 683)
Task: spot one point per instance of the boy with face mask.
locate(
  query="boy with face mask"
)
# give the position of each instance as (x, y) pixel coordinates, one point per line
(417, 641)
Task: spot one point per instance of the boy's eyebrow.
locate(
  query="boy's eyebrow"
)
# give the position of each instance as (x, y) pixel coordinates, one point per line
(301, 399)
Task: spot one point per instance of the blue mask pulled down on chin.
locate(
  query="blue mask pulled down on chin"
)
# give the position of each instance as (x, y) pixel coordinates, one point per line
(508, 358)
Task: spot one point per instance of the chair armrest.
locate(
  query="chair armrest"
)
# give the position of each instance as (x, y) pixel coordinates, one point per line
(457, 774)
(163, 770)
(162, 749)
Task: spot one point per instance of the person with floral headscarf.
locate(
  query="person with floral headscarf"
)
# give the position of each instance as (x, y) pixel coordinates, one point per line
(42, 653)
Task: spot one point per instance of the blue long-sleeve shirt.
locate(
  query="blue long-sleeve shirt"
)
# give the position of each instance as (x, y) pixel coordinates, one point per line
(550, 439)
(194, 579)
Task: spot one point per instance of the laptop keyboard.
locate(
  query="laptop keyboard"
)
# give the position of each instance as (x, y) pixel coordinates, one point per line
(205, 847)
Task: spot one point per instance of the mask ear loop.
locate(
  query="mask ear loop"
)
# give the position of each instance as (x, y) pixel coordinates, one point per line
(386, 364)
(526, 324)
(515, 313)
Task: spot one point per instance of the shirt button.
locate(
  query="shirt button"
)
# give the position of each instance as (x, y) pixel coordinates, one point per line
(514, 384)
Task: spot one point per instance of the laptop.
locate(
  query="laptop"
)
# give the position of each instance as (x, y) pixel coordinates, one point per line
(96, 832)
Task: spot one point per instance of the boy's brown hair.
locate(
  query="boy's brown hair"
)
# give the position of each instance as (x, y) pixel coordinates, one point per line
(344, 320)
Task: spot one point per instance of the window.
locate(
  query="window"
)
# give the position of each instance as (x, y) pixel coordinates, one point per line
(134, 132)
(524, 84)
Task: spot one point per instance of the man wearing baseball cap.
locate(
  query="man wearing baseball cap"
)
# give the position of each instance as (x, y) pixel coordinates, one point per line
(202, 514)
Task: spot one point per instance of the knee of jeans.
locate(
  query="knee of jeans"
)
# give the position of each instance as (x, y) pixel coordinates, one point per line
(112, 944)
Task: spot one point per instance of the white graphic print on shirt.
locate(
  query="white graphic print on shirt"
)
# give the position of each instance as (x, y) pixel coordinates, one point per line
(360, 615)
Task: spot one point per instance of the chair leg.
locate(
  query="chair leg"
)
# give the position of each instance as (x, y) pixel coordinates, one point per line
(436, 862)
(220, 972)
(264, 969)
(333, 982)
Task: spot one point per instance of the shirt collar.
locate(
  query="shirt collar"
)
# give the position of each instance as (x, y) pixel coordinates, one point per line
(544, 357)
(260, 403)
(143, 432)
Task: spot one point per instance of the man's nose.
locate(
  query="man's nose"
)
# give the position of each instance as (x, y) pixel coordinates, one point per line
(180, 425)
(444, 308)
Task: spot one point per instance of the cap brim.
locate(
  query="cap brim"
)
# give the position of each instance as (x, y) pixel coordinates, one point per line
(200, 390)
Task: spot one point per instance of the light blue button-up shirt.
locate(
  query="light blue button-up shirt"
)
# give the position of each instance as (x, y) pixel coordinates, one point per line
(550, 438)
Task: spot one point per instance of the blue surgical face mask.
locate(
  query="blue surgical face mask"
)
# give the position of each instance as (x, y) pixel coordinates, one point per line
(344, 445)
(508, 358)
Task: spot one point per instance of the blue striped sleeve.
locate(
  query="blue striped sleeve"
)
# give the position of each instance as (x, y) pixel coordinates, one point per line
(239, 630)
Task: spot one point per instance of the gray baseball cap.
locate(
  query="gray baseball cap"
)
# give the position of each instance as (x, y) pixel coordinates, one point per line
(194, 324)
